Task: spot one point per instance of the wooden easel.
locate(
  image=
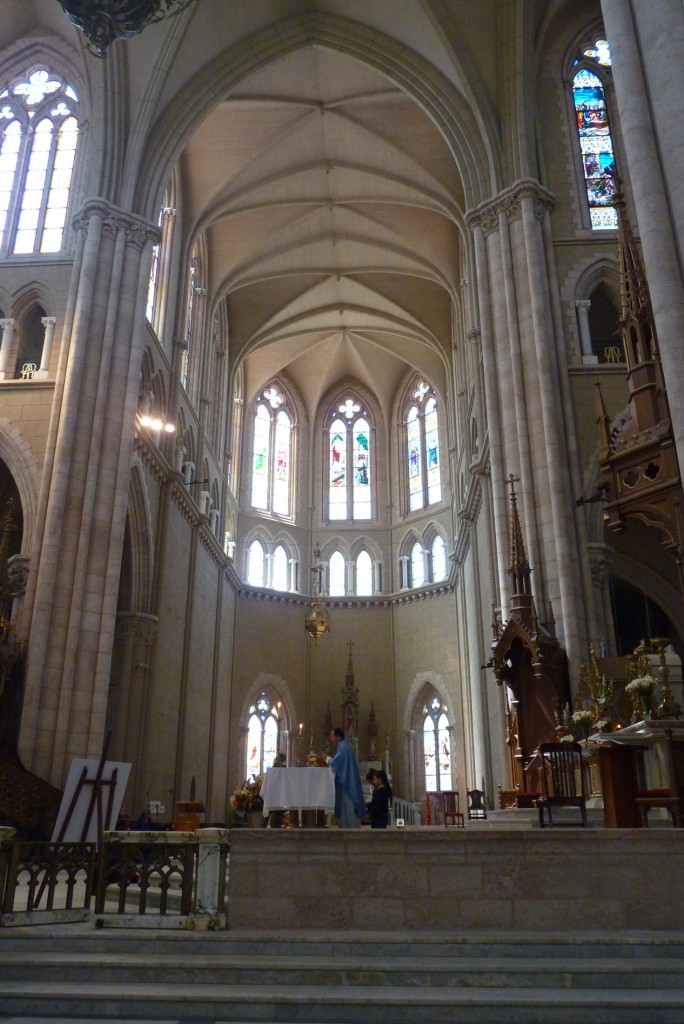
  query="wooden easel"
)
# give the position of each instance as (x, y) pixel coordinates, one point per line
(97, 785)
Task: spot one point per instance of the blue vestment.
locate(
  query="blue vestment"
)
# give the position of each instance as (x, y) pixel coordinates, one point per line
(347, 779)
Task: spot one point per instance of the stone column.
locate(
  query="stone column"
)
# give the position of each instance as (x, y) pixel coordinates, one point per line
(583, 306)
(84, 495)
(209, 902)
(48, 323)
(7, 331)
(646, 44)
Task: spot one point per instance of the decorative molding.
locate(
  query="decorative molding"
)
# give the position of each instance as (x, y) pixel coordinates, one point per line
(138, 625)
(138, 230)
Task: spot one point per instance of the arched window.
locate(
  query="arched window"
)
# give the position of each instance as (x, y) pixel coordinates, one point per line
(596, 143)
(154, 273)
(364, 574)
(438, 559)
(271, 476)
(422, 448)
(349, 462)
(38, 138)
(255, 564)
(279, 569)
(417, 565)
(337, 575)
(263, 734)
(436, 745)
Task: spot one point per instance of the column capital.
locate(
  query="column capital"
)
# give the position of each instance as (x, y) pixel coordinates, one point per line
(48, 321)
(138, 230)
(509, 204)
(7, 323)
(582, 305)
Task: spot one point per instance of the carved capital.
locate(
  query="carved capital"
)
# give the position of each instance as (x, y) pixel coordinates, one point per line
(509, 202)
(138, 231)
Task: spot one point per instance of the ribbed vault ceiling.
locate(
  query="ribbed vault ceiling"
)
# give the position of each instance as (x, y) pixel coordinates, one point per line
(330, 205)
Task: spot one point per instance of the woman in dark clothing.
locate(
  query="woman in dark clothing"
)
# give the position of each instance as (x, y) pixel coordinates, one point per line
(378, 809)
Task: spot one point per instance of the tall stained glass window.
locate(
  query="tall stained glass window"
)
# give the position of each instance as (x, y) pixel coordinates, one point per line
(263, 732)
(596, 142)
(349, 463)
(272, 451)
(436, 746)
(422, 449)
(39, 118)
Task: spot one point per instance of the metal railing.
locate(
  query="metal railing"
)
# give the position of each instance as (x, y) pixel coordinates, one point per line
(38, 877)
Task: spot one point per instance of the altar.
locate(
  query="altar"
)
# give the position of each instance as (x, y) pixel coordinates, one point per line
(298, 789)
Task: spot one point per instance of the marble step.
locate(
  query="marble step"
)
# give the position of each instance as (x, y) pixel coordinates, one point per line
(338, 1005)
(438, 972)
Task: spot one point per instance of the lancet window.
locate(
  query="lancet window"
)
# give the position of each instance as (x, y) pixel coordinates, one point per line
(263, 734)
(39, 127)
(422, 448)
(595, 139)
(272, 453)
(436, 745)
(349, 462)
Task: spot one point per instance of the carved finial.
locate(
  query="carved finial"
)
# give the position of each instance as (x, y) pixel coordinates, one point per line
(519, 567)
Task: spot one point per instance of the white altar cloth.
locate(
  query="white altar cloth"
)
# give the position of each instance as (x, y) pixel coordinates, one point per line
(300, 789)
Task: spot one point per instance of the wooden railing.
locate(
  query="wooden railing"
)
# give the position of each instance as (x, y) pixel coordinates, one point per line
(27, 802)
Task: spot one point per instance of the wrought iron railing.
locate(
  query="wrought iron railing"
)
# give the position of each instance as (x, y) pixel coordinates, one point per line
(150, 874)
(46, 876)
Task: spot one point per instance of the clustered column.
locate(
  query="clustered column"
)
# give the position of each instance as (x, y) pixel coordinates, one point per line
(72, 593)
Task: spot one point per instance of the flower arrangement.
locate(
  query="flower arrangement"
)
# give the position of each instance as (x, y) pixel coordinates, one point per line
(249, 797)
(642, 691)
(583, 719)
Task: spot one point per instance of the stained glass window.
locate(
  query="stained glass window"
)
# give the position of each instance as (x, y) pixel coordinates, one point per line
(422, 449)
(272, 452)
(349, 463)
(596, 146)
(263, 733)
(38, 142)
(436, 746)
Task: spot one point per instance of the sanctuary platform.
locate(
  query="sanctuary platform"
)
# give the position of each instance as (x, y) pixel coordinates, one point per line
(422, 879)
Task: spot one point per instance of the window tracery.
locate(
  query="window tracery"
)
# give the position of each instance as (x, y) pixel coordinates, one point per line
(39, 130)
(436, 745)
(263, 736)
(349, 462)
(595, 138)
(272, 453)
(422, 448)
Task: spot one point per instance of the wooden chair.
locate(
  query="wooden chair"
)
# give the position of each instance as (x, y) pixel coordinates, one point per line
(477, 809)
(670, 797)
(451, 810)
(562, 781)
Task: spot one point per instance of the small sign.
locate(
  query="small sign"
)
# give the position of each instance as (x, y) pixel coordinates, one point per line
(155, 807)
(399, 823)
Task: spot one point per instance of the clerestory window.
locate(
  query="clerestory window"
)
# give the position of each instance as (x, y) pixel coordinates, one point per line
(272, 453)
(39, 127)
(422, 448)
(350, 462)
(595, 139)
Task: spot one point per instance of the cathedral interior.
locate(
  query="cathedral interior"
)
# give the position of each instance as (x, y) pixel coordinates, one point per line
(341, 383)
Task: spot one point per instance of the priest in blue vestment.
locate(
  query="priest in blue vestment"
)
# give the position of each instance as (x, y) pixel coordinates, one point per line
(350, 805)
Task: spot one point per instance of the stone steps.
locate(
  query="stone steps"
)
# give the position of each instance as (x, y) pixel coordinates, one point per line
(352, 979)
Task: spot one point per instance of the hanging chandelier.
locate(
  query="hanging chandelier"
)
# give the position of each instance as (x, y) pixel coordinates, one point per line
(317, 621)
(104, 21)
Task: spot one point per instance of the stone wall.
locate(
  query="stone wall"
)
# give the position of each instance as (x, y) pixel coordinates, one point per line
(426, 879)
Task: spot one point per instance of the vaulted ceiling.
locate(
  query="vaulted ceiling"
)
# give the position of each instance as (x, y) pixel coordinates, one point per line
(330, 205)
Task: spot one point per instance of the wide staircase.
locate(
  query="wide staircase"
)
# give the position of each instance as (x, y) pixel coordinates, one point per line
(75, 972)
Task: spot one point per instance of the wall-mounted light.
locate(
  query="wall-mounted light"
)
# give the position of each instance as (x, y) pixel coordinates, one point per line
(155, 423)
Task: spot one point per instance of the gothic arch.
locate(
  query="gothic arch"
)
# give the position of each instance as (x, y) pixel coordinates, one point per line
(17, 454)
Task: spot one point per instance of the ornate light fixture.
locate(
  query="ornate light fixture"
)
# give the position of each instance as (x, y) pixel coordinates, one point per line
(104, 21)
(317, 621)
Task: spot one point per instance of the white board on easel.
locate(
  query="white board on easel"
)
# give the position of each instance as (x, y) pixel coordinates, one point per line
(81, 786)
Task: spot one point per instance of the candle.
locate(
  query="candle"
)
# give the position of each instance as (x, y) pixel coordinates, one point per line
(301, 726)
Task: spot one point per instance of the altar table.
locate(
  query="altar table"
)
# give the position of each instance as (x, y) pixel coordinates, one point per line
(290, 789)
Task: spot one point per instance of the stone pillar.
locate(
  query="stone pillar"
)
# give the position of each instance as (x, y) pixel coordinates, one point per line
(48, 323)
(583, 306)
(209, 902)
(525, 398)
(403, 572)
(646, 43)
(7, 331)
(84, 496)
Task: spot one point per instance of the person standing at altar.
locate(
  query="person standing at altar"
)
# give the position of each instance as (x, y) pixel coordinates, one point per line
(350, 806)
(378, 808)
